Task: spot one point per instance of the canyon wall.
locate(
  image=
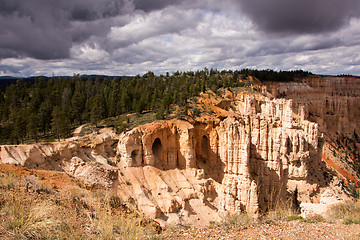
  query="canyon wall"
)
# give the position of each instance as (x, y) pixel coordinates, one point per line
(88, 159)
(333, 103)
(258, 155)
(252, 153)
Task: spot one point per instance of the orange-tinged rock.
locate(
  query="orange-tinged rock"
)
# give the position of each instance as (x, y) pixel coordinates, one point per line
(252, 154)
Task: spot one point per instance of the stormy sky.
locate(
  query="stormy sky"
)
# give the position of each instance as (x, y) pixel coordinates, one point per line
(128, 37)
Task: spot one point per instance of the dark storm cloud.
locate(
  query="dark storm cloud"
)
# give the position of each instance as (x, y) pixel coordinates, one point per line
(34, 31)
(6, 69)
(46, 29)
(297, 45)
(300, 16)
(7, 7)
(150, 5)
(83, 10)
(135, 36)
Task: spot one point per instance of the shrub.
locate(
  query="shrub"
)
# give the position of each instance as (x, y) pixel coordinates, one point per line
(78, 214)
(348, 212)
(238, 220)
(314, 219)
(280, 214)
(196, 112)
(8, 181)
(43, 188)
(294, 218)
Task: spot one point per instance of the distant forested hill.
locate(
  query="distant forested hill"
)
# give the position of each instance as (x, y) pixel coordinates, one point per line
(35, 107)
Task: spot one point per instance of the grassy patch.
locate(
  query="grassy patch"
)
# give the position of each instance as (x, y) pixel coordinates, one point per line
(40, 212)
(8, 181)
(177, 230)
(314, 219)
(348, 212)
(294, 218)
(121, 123)
(280, 214)
(238, 220)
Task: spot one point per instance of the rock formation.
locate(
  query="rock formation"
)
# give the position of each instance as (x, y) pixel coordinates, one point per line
(76, 157)
(333, 103)
(252, 153)
(257, 155)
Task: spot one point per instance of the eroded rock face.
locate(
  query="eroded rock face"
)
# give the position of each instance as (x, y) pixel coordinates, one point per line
(256, 156)
(92, 174)
(252, 154)
(165, 145)
(331, 102)
(83, 158)
(327, 200)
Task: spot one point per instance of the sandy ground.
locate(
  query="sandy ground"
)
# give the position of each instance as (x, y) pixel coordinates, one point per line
(294, 230)
(57, 180)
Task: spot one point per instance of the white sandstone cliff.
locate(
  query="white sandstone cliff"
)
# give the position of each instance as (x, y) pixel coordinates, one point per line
(252, 157)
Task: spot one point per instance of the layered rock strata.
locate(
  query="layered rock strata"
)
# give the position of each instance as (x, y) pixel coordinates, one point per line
(333, 103)
(258, 155)
(85, 159)
(252, 154)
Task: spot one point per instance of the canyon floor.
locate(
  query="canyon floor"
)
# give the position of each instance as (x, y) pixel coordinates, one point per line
(295, 230)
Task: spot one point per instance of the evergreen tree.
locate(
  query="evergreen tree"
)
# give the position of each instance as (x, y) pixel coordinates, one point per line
(18, 119)
(33, 126)
(96, 110)
(60, 123)
(124, 102)
(33, 109)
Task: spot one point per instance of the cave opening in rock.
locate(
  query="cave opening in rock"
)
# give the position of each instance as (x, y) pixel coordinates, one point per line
(157, 149)
(289, 145)
(204, 149)
(134, 155)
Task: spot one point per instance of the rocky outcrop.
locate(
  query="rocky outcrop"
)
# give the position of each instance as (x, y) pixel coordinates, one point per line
(327, 200)
(332, 102)
(165, 145)
(92, 174)
(258, 156)
(252, 153)
(88, 159)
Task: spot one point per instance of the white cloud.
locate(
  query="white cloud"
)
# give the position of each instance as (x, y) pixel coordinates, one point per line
(167, 21)
(88, 53)
(184, 37)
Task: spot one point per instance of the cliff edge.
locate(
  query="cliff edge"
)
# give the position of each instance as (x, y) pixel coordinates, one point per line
(243, 151)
